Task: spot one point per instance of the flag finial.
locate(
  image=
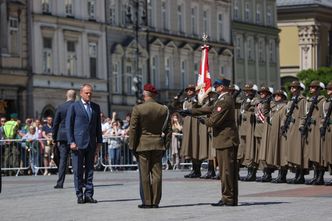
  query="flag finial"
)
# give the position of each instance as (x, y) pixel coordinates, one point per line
(205, 37)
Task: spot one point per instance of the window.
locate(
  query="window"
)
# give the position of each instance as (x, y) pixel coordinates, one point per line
(154, 68)
(167, 72)
(47, 55)
(220, 27)
(238, 47)
(92, 9)
(112, 14)
(269, 18)
(196, 71)
(271, 51)
(150, 15)
(129, 80)
(46, 6)
(13, 23)
(180, 18)
(261, 50)
(183, 74)
(258, 14)
(164, 15)
(237, 9)
(247, 12)
(93, 59)
(116, 77)
(71, 58)
(194, 20)
(205, 21)
(69, 7)
(250, 49)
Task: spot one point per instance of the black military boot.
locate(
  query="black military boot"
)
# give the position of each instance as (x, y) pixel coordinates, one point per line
(248, 174)
(314, 179)
(320, 179)
(260, 179)
(328, 183)
(297, 174)
(268, 175)
(189, 175)
(252, 176)
(210, 173)
(300, 179)
(281, 176)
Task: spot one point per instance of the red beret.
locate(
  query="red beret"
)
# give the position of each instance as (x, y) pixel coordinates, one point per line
(150, 88)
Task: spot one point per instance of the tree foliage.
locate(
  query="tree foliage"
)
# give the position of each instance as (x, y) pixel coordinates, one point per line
(323, 74)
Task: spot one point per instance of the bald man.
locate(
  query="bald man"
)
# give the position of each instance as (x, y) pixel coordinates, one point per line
(60, 137)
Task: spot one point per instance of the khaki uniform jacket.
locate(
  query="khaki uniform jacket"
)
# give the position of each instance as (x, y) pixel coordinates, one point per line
(272, 151)
(146, 124)
(327, 140)
(313, 141)
(222, 120)
(293, 141)
(190, 140)
(246, 129)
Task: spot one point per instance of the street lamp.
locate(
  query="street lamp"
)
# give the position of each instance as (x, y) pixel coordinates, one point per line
(137, 80)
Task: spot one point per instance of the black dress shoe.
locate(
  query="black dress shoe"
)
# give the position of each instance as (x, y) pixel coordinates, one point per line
(143, 206)
(222, 203)
(155, 206)
(329, 183)
(58, 187)
(80, 200)
(89, 199)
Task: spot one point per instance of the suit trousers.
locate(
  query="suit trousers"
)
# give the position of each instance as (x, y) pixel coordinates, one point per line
(86, 157)
(150, 170)
(228, 167)
(63, 149)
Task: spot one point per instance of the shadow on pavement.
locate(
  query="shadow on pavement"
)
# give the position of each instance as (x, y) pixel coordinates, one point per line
(260, 203)
(108, 185)
(185, 205)
(119, 200)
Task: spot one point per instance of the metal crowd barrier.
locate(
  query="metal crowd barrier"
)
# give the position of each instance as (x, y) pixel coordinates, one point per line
(20, 155)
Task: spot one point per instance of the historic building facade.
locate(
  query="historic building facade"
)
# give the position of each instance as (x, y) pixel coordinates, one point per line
(159, 41)
(68, 48)
(256, 42)
(13, 57)
(305, 37)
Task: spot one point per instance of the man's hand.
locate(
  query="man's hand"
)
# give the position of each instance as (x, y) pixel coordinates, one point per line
(73, 146)
(185, 113)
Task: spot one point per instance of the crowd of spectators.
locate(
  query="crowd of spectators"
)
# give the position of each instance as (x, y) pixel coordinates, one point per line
(29, 146)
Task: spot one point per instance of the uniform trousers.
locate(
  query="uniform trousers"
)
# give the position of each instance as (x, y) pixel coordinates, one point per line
(63, 149)
(150, 171)
(228, 168)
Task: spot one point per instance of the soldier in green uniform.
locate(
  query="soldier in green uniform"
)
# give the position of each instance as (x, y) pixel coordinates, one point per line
(246, 130)
(149, 134)
(310, 131)
(225, 140)
(326, 132)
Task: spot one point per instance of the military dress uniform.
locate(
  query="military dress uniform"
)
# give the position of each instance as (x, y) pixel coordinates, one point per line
(146, 141)
(225, 141)
(246, 131)
(292, 138)
(312, 140)
(327, 137)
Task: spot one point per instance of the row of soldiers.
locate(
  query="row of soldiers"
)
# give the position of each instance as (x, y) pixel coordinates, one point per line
(275, 133)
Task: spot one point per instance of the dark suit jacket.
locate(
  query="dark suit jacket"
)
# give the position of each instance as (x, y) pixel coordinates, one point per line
(80, 129)
(59, 123)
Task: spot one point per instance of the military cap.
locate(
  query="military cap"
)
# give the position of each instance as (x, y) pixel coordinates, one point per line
(281, 93)
(234, 87)
(190, 87)
(329, 86)
(316, 83)
(149, 87)
(264, 89)
(249, 87)
(222, 82)
(297, 84)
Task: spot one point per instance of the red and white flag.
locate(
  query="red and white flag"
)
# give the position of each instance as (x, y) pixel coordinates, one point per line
(204, 79)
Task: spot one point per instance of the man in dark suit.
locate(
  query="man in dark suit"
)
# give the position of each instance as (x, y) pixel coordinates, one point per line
(60, 137)
(84, 135)
(148, 123)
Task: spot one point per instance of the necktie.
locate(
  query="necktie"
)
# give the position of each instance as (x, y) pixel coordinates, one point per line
(88, 110)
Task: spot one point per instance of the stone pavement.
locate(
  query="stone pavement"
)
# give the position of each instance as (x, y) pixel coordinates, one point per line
(33, 198)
